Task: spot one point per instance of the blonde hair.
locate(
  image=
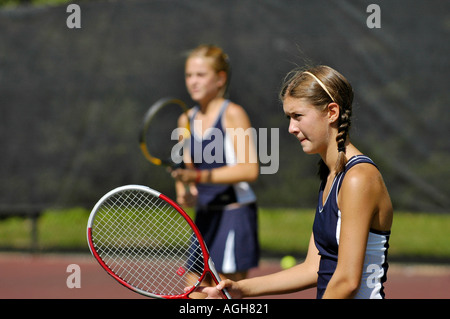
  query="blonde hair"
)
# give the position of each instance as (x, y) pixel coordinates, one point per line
(219, 61)
(320, 86)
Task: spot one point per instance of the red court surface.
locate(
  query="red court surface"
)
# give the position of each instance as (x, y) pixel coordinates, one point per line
(44, 276)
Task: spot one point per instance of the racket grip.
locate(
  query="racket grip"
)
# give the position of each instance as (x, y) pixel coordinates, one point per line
(215, 274)
(226, 293)
(179, 165)
(173, 165)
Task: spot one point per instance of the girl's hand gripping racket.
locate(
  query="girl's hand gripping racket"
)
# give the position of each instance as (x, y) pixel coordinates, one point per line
(148, 243)
(157, 136)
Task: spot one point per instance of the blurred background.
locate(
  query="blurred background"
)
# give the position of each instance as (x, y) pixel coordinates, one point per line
(72, 100)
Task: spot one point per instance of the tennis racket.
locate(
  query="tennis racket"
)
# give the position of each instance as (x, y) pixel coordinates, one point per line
(148, 243)
(157, 139)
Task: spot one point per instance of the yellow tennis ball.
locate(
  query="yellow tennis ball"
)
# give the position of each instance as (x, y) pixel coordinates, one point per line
(288, 262)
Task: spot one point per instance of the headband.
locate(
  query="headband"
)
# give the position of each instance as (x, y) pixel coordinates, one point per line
(321, 84)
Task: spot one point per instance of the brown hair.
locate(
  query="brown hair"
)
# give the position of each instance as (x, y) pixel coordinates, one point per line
(219, 60)
(320, 86)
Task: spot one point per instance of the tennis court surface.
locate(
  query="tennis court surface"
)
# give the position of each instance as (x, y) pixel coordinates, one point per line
(44, 276)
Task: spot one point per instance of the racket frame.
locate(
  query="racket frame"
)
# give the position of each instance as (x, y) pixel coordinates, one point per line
(209, 266)
(158, 105)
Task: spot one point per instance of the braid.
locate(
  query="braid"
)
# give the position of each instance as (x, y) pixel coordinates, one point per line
(343, 129)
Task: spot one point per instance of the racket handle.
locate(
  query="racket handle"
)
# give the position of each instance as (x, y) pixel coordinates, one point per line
(173, 165)
(217, 277)
(226, 293)
(179, 165)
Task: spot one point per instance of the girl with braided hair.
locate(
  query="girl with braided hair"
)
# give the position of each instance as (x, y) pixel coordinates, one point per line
(347, 251)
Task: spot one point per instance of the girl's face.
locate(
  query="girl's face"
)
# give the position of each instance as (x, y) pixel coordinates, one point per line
(202, 81)
(308, 124)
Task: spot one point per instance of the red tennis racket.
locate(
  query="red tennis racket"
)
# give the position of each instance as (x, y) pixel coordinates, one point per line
(148, 243)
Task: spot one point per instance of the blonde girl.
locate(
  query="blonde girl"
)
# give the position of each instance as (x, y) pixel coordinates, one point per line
(218, 186)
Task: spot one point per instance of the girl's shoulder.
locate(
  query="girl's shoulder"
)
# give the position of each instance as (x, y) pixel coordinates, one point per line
(236, 117)
(362, 178)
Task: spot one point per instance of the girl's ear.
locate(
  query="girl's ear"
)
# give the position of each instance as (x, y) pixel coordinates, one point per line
(222, 78)
(333, 112)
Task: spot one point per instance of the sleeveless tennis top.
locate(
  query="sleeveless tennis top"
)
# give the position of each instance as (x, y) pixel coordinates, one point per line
(326, 229)
(212, 150)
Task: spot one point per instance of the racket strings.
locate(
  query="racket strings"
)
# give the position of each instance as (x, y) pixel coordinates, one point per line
(127, 266)
(147, 243)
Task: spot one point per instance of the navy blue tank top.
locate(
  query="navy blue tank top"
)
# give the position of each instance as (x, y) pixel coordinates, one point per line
(214, 150)
(326, 231)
